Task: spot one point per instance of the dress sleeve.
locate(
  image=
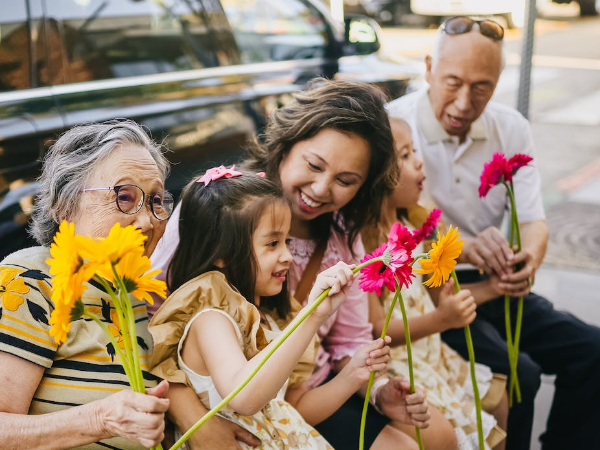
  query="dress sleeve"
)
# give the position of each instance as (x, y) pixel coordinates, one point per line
(25, 308)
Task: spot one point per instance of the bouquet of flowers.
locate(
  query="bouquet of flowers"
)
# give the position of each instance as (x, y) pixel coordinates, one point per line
(119, 265)
(501, 171)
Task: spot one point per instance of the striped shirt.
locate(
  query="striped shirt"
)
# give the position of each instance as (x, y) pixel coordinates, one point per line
(83, 369)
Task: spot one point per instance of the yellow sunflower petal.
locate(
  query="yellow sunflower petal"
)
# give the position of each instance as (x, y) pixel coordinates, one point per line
(442, 258)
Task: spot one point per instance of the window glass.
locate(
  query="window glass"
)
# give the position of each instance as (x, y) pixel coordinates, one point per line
(121, 38)
(15, 69)
(276, 30)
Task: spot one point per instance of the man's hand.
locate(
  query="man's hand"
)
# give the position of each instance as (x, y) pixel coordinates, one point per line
(489, 251)
(518, 282)
(396, 402)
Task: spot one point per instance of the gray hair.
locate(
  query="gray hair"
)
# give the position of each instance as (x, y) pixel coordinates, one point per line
(69, 163)
(437, 49)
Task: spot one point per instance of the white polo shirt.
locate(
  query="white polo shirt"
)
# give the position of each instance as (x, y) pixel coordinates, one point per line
(453, 169)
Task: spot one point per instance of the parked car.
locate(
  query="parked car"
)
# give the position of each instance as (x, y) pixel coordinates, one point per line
(201, 75)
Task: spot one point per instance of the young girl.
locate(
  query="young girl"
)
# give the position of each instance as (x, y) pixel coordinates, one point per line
(229, 298)
(331, 151)
(436, 366)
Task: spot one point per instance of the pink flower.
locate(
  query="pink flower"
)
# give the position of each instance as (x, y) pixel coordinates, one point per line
(515, 163)
(376, 275)
(492, 173)
(218, 172)
(428, 227)
(261, 174)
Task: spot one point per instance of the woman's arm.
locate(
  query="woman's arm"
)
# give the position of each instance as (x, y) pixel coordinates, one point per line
(127, 414)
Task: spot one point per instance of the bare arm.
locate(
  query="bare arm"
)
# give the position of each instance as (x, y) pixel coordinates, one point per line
(133, 416)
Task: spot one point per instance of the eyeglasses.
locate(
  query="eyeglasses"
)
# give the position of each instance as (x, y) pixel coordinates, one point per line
(130, 199)
(463, 24)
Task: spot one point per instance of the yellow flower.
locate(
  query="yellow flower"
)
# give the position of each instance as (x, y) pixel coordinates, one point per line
(119, 242)
(61, 318)
(442, 258)
(132, 269)
(12, 289)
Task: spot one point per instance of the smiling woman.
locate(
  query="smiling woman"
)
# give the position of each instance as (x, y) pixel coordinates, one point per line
(81, 381)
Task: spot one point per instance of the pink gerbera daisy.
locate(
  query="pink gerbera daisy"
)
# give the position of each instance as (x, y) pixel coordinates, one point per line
(374, 276)
(515, 163)
(492, 173)
(428, 227)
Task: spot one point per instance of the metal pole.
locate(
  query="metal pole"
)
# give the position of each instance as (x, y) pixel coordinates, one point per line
(526, 55)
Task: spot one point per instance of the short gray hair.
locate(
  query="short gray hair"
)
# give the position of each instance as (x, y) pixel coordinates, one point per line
(69, 163)
(437, 49)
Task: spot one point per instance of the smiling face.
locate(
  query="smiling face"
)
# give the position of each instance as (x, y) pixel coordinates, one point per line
(322, 174)
(463, 79)
(98, 211)
(269, 242)
(410, 185)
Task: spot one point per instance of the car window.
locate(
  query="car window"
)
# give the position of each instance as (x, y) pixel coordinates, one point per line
(276, 30)
(121, 38)
(15, 70)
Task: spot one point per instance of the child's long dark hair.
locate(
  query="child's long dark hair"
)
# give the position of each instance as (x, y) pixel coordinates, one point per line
(216, 226)
(347, 107)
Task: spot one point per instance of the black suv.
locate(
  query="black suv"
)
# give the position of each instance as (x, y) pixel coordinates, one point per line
(200, 75)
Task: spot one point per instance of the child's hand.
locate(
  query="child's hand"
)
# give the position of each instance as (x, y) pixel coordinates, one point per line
(373, 356)
(455, 310)
(396, 402)
(339, 278)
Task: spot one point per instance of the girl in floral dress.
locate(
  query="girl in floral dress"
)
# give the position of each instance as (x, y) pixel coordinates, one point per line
(437, 368)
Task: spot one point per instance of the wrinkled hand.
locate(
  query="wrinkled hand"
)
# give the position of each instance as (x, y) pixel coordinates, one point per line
(456, 310)
(396, 402)
(221, 434)
(371, 357)
(134, 416)
(520, 277)
(489, 251)
(339, 278)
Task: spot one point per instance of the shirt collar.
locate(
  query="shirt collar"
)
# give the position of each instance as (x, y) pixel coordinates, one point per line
(432, 129)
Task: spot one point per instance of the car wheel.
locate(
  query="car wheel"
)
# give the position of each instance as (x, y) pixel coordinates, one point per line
(589, 7)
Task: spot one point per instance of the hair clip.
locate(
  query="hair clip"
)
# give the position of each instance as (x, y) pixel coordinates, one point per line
(260, 174)
(218, 172)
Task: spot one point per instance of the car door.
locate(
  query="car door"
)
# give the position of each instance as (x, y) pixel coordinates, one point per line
(166, 65)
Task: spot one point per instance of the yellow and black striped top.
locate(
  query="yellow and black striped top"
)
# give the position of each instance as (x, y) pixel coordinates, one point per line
(83, 369)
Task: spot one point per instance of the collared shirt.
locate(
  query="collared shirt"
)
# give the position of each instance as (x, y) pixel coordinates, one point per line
(453, 168)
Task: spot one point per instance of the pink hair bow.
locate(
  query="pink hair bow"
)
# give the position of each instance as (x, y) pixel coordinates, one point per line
(218, 172)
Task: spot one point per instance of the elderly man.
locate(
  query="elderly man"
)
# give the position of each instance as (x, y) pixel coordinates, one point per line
(456, 129)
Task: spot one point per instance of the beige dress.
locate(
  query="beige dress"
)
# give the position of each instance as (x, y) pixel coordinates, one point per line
(442, 372)
(278, 425)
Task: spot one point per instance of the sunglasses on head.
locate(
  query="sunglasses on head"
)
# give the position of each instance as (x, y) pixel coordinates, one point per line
(463, 24)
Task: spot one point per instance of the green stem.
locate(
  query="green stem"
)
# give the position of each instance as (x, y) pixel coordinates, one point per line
(509, 343)
(473, 376)
(409, 355)
(276, 344)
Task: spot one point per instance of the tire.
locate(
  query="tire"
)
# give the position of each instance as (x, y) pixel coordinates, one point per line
(589, 7)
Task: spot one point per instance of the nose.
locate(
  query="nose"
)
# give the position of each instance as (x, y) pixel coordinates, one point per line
(286, 256)
(463, 99)
(320, 187)
(418, 163)
(143, 218)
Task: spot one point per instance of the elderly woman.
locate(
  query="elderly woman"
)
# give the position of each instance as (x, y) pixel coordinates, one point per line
(74, 394)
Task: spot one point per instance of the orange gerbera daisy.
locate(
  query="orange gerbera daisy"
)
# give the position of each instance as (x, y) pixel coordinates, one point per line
(442, 258)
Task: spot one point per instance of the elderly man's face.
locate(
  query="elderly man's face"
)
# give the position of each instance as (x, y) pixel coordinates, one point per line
(463, 80)
(98, 211)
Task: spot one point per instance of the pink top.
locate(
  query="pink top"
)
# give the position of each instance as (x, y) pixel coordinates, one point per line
(348, 328)
(342, 335)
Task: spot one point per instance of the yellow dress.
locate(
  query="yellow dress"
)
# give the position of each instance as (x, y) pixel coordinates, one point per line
(278, 425)
(439, 370)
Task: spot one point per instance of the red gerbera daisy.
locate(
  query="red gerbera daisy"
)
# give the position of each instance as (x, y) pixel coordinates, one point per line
(428, 227)
(374, 276)
(492, 173)
(515, 163)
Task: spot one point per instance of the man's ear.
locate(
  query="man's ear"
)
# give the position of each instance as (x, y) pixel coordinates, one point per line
(428, 73)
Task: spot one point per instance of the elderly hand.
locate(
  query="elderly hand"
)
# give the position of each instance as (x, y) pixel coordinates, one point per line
(518, 281)
(139, 417)
(396, 402)
(489, 251)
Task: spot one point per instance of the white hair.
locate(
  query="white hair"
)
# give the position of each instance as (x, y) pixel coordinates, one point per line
(437, 48)
(69, 163)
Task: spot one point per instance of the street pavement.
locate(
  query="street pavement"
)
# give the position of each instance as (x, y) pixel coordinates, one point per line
(565, 118)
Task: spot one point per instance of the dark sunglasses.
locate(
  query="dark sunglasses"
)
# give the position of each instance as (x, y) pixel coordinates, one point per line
(463, 24)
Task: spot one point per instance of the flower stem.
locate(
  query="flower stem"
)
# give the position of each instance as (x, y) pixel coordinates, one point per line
(473, 376)
(276, 344)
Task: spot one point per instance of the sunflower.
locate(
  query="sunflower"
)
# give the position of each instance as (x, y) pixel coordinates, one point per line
(442, 258)
(133, 269)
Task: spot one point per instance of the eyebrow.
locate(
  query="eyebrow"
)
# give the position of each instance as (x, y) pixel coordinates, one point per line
(272, 234)
(343, 173)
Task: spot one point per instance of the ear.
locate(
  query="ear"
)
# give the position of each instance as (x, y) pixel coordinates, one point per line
(220, 264)
(428, 73)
